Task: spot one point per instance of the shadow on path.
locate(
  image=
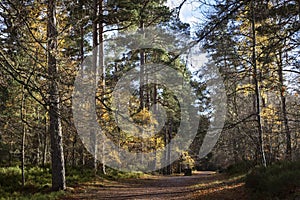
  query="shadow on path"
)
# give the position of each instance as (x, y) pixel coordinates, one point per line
(201, 185)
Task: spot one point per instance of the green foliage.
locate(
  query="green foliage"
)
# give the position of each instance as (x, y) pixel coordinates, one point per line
(3, 96)
(38, 182)
(76, 175)
(240, 167)
(187, 160)
(10, 178)
(40, 177)
(277, 180)
(4, 153)
(117, 175)
(39, 196)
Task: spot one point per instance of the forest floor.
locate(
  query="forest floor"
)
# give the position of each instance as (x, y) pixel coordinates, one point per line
(201, 185)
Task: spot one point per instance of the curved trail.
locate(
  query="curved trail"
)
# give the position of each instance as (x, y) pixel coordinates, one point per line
(201, 185)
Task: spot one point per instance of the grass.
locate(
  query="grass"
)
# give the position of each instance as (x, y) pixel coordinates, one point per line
(117, 175)
(38, 181)
(38, 195)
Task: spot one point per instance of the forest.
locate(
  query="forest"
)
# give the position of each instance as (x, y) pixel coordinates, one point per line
(149, 99)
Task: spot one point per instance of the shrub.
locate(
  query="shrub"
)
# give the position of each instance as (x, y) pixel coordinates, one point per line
(277, 180)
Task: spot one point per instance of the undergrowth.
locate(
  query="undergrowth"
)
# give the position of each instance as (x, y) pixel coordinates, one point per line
(279, 181)
(38, 181)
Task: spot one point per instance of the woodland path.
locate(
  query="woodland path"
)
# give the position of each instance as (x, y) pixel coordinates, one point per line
(201, 185)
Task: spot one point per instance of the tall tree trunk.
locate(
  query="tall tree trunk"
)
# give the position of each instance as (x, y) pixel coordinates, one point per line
(257, 90)
(155, 110)
(45, 142)
(93, 134)
(74, 150)
(283, 109)
(102, 73)
(142, 82)
(82, 156)
(165, 156)
(38, 151)
(58, 165)
(23, 118)
(81, 151)
(169, 167)
(142, 70)
(81, 34)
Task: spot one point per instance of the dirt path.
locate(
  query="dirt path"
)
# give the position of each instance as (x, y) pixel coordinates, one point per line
(201, 185)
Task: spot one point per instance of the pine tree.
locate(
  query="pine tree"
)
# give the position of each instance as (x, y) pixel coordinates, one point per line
(55, 129)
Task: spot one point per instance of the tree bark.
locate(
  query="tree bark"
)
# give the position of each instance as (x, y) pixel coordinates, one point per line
(102, 73)
(142, 70)
(45, 142)
(58, 168)
(23, 114)
(257, 90)
(93, 134)
(170, 131)
(283, 109)
(81, 151)
(155, 110)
